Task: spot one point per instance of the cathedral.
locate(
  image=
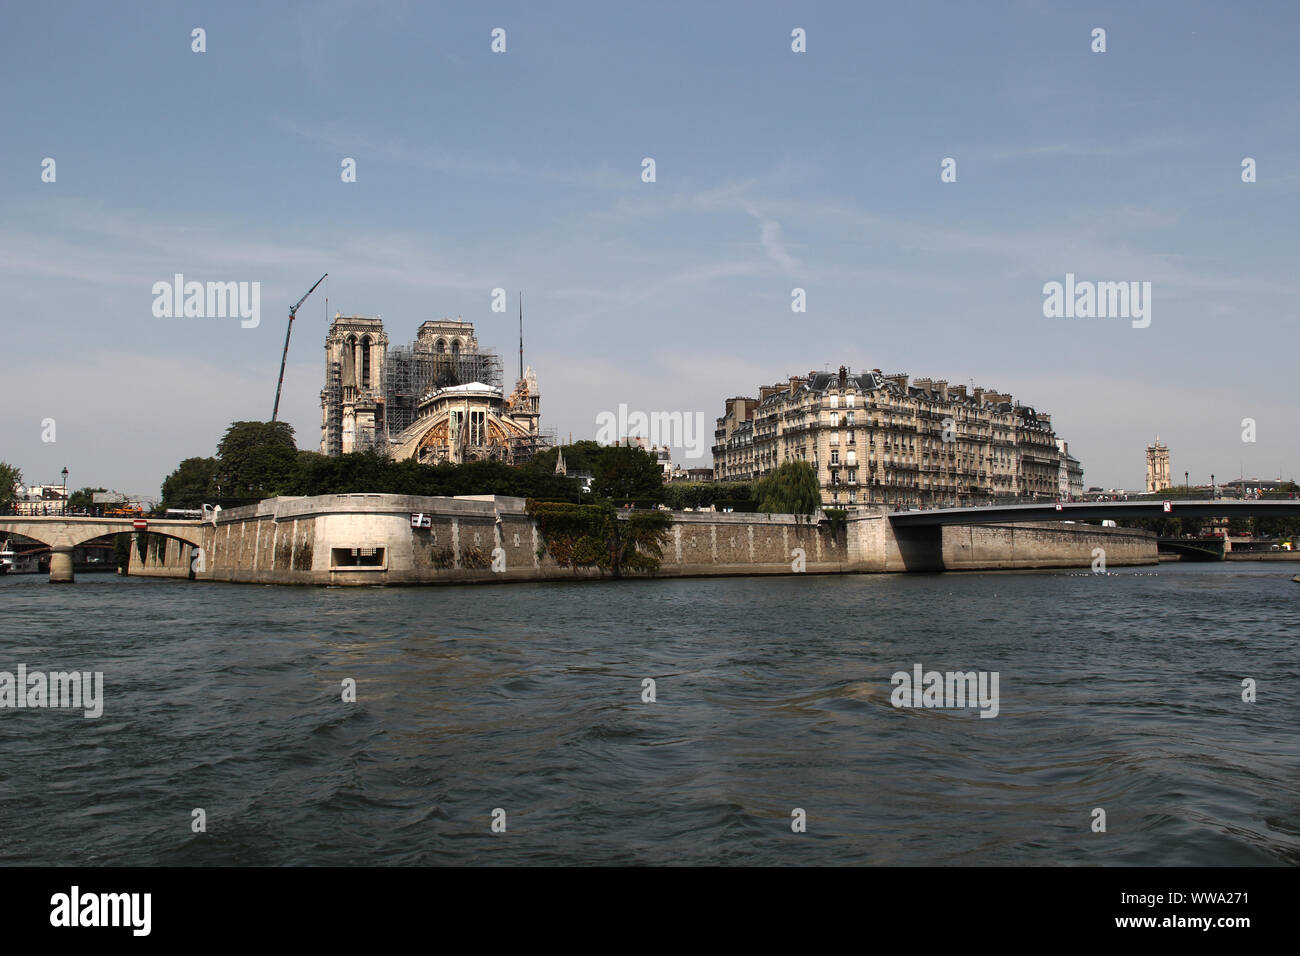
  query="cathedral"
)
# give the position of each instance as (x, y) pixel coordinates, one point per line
(438, 399)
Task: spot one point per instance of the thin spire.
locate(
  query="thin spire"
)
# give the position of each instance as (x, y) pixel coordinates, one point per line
(521, 336)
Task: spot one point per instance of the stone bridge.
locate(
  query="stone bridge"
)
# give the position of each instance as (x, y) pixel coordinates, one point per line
(62, 534)
(1195, 549)
(1101, 510)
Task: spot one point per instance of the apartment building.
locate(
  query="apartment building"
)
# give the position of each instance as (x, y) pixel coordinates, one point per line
(882, 440)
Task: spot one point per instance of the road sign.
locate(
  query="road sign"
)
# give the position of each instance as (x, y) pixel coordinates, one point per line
(1060, 507)
(419, 520)
(1169, 506)
(139, 524)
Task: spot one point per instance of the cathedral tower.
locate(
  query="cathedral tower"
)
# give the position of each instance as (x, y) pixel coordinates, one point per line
(352, 402)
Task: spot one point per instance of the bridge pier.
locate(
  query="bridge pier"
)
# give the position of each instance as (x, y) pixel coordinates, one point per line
(61, 566)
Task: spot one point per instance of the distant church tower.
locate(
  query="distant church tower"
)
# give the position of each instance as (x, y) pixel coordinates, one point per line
(352, 401)
(1157, 466)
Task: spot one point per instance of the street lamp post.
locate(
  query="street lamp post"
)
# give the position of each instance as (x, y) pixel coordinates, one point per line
(1212, 489)
(65, 491)
(1187, 484)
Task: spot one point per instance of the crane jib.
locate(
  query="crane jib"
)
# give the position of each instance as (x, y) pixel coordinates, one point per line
(284, 357)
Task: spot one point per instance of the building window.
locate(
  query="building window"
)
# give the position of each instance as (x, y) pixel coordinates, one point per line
(835, 456)
(367, 559)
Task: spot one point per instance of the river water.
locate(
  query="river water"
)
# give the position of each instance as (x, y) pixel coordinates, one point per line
(1121, 692)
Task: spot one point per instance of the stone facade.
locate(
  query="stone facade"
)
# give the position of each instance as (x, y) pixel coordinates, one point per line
(1070, 476)
(876, 439)
(352, 418)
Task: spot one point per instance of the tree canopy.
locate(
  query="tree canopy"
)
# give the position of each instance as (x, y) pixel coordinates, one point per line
(254, 458)
(83, 499)
(257, 460)
(193, 483)
(791, 489)
(621, 473)
(9, 478)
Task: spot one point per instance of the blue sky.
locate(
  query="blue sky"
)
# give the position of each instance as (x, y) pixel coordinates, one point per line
(775, 170)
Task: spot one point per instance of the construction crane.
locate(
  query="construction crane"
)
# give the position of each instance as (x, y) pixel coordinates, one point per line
(275, 414)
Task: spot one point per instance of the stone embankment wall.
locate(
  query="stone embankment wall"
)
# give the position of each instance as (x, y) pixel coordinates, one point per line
(1034, 545)
(369, 540)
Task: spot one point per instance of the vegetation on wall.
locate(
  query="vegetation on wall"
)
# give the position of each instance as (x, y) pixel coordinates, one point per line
(594, 536)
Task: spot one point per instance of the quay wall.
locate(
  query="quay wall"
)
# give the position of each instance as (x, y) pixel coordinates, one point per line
(368, 540)
(1032, 545)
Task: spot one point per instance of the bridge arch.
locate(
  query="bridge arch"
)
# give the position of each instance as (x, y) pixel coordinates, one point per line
(62, 534)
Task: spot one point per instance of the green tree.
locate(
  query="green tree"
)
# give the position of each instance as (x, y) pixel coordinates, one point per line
(83, 500)
(621, 473)
(791, 489)
(701, 494)
(360, 472)
(256, 460)
(580, 456)
(10, 477)
(193, 483)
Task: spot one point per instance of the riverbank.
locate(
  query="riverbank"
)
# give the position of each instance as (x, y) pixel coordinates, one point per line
(368, 540)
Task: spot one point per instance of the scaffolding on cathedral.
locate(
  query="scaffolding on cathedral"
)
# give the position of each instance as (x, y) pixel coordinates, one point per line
(411, 374)
(524, 447)
(333, 410)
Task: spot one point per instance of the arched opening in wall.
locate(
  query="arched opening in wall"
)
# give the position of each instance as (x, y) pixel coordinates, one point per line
(349, 360)
(455, 347)
(365, 361)
(440, 346)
